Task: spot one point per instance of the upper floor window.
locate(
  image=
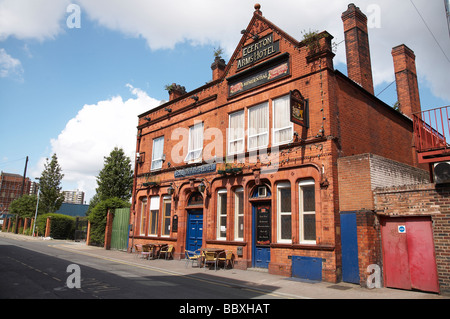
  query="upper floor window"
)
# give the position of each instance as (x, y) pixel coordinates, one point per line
(283, 128)
(258, 126)
(236, 133)
(157, 153)
(195, 145)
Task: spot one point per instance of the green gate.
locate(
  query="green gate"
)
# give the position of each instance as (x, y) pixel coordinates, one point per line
(119, 235)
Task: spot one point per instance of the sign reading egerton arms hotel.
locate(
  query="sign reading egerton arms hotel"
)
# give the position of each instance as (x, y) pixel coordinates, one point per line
(258, 50)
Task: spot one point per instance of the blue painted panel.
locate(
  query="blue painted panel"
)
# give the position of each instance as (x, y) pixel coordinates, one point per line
(349, 241)
(194, 234)
(307, 268)
(262, 257)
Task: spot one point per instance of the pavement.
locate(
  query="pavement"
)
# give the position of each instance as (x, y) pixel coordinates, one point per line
(258, 280)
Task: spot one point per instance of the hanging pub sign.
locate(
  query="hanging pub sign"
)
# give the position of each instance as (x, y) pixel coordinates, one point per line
(299, 109)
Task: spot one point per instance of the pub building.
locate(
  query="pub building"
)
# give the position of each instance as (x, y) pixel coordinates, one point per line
(249, 162)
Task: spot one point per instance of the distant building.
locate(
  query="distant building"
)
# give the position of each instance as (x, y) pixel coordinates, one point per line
(74, 197)
(12, 186)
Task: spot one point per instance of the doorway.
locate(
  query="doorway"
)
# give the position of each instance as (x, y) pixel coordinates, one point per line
(409, 260)
(261, 234)
(194, 234)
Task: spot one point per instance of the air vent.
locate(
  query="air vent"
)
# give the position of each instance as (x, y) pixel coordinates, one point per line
(442, 172)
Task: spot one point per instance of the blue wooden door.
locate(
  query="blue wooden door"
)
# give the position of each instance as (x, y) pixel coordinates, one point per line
(261, 235)
(349, 242)
(194, 234)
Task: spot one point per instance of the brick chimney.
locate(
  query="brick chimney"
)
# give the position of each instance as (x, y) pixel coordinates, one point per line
(359, 68)
(406, 80)
(218, 68)
(175, 91)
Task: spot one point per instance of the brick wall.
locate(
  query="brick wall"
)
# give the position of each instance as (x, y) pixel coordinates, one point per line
(423, 200)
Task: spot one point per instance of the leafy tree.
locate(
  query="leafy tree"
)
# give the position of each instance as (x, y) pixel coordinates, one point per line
(50, 180)
(25, 206)
(97, 217)
(116, 177)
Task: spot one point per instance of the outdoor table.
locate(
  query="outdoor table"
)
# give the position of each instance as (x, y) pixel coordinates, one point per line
(216, 252)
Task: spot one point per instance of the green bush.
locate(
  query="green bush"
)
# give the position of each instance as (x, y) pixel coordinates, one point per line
(62, 226)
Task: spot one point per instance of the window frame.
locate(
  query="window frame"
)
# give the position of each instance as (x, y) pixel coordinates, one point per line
(153, 212)
(242, 138)
(290, 126)
(161, 158)
(190, 149)
(143, 219)
(251, 130)
(221, 214)
(302, 213)
(237, 214)
(166, 219)
(283, 185)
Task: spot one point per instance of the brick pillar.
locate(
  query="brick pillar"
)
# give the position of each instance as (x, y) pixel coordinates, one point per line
(406, 80)
(359, 67)
(108, 230)
(88, 233)
(48, 226)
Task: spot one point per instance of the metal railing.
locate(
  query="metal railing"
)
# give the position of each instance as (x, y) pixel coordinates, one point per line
(432, 129)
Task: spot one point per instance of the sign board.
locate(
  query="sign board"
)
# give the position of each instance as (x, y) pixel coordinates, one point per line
(271, 73)
(402, 229)
(195, 170)
(299, 109)
(258, 50)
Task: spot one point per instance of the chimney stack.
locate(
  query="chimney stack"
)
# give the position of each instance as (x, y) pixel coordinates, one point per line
(357, 47)
(406, 80)
(218, 68)
(175, 91)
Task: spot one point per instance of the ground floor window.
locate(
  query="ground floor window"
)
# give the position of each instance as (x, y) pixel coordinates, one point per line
(167, 206)
(143, 220)
(284, 223)
(222, 214)
(154, 213)
(307, 205)
(239, 213)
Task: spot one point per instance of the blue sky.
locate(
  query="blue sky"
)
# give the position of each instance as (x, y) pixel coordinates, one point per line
(77, 92)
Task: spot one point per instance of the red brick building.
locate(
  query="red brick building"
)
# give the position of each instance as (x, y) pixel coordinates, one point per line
(254, 161)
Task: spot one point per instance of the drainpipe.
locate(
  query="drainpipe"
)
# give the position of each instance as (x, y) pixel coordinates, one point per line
(133, 198)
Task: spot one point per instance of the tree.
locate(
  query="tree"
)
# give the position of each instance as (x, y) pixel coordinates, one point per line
(116, 177)
(50, 180)
(25, 206)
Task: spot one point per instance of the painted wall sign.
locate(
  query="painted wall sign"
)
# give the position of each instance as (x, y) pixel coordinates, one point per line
(299, 109)
(270, 74)
(257, 51)
(402, 229)
(208, 168)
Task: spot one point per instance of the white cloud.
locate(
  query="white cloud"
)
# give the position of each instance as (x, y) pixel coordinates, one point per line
(93, 133)
(9, 66)
(164, 24)
(36, 19)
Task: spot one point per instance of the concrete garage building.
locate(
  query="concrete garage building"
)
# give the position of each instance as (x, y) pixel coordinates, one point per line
(263, 160)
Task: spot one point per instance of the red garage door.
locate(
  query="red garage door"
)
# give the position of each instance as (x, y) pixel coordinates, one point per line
(408, 254)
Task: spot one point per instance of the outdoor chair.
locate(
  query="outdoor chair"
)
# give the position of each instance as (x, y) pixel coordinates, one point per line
(147, 251)
(167, 251)
(210, 258)
(193, 256)
(226, 257)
